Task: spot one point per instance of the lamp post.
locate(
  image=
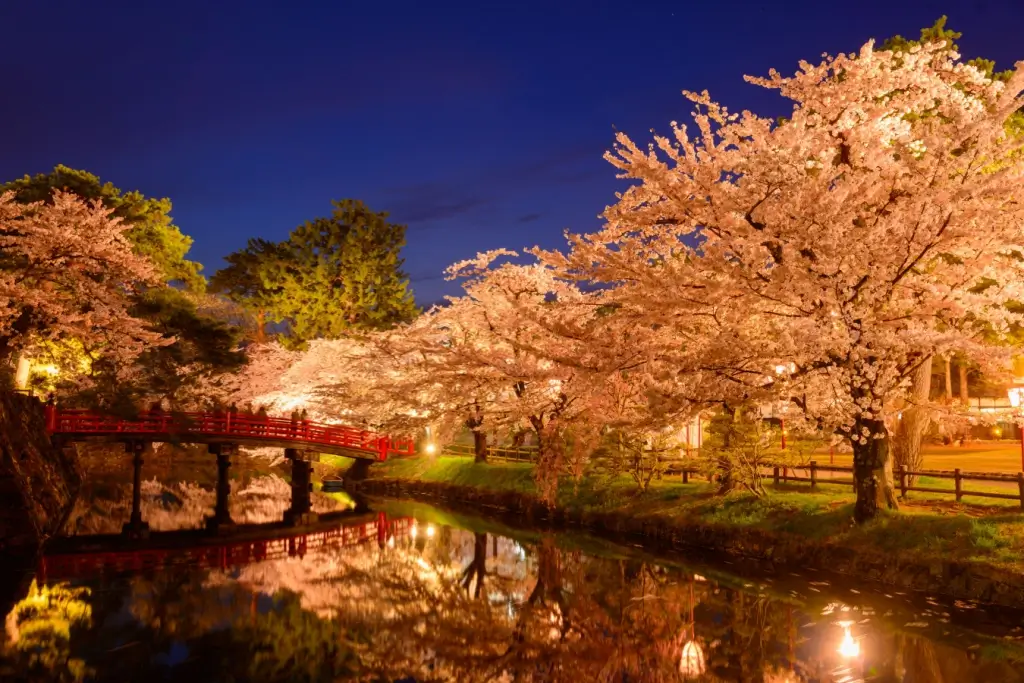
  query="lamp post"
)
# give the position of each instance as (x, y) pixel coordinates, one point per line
(1014, 394)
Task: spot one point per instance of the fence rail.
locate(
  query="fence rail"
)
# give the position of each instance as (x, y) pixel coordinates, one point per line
(903, 479)
(495, 453)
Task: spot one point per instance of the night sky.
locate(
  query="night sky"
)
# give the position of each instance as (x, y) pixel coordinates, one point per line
(478, 124)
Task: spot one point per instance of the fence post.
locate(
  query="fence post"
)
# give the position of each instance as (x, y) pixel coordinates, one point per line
(1020, 488)
(775, 474)
(957, 484)
(903, 481)
(814, 474)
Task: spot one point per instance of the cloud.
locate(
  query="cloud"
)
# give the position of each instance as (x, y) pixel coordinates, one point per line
(455, 196)
(430, 202)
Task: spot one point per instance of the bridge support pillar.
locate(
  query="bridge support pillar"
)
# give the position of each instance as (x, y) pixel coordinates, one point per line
(301, 510)
(358, 470)
(220, 521)
(136, 528)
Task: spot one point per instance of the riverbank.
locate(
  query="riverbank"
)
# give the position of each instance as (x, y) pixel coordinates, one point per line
(968, 552)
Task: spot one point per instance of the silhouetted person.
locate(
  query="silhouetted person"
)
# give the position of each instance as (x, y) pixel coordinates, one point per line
(263, 419)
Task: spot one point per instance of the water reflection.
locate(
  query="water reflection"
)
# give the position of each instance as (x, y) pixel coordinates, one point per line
(442, 603)
(105, 505)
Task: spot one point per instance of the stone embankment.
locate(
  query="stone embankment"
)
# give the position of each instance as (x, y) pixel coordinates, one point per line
(38, 480)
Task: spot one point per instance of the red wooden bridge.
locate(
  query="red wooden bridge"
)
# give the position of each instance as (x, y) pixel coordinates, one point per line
(224, 428)
(82, 557)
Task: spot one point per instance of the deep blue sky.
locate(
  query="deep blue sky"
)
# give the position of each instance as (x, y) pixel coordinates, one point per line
(480, 124)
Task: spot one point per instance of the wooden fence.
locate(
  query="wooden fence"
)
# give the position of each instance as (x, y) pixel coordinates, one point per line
(495, 453)
(812, 472)
(903, 479)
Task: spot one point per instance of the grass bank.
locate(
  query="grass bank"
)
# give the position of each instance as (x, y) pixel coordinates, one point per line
(933, 544)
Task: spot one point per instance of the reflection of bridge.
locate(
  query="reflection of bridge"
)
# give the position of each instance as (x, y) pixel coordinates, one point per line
(224, 428)
(224, 432)
(78, 557)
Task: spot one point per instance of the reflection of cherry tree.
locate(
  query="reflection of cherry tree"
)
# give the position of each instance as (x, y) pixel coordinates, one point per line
(446, 613)
(185, 505)
(537, 613)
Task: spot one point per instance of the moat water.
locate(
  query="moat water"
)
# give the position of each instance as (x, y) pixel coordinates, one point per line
(444, 597)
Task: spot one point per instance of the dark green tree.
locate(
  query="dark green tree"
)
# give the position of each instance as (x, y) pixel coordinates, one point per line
(330, 277)
(248, 278)
(153, 234)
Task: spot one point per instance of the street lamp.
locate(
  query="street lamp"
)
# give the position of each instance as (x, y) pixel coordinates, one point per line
(1016, 396)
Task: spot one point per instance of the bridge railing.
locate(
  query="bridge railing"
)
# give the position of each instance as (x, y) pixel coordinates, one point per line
(227, 424)
(71, 565)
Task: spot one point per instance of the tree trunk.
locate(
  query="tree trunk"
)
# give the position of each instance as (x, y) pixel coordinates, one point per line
(261, 326)
(914, 420)
(949, 380)
(964, 395)
(479, 446)
(726, 480)
(872, 471)
(474, 575)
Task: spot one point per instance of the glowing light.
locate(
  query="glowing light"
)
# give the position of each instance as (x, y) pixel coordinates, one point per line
(391, 542)
(691, 662)
(430, 448)
(997, 431)
(413, 531)
(430, 531)
(1015, 396)
(848, 647)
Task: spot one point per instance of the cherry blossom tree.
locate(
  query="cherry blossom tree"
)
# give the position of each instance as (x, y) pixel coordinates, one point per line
(514, 351)
(67, 273)
(874, 228)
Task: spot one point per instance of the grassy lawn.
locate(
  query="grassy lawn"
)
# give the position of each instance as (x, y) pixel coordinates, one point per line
(981, 456)
(929, 526)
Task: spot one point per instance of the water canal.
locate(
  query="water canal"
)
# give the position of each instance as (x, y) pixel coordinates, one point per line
(444, 597)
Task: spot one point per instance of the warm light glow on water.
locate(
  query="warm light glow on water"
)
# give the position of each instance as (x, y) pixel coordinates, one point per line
(691, 662)
(848, 647)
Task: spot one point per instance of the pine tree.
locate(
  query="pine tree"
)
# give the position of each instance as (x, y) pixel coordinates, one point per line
(330, 277)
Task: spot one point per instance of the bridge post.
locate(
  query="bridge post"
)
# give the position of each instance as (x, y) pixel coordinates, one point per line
(136, 528)
(382, 530)
(301, 510)
(221, 521)
(358, 470)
